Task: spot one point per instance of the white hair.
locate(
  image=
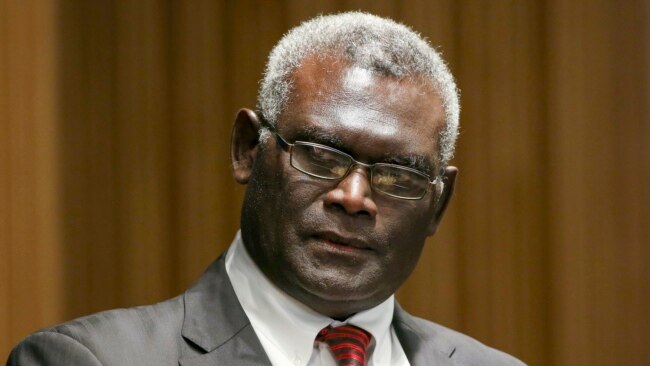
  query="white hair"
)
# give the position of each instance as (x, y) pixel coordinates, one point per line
(367, 41)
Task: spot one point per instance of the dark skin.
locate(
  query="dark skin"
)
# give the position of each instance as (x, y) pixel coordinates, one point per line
(338, 246)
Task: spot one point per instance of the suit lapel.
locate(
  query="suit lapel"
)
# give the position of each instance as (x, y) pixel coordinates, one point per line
(421, 349)
(243, 349)
(218, 332)
(215, 325)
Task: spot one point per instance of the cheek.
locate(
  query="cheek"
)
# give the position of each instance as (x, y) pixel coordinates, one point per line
(301, 191)
(265, 194)
(405, 256)
(407, 235)
(406, 218)
(283, 193)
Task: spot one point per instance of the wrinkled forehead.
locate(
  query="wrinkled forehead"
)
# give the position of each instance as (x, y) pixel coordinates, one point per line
(330, 70)
(366, 105)
(329, 81)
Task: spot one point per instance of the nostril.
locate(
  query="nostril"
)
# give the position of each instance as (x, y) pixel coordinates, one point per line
(337, 206)
(362, 213)
(341, 208)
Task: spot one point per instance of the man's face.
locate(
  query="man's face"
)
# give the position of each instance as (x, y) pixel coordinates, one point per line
(338, 246)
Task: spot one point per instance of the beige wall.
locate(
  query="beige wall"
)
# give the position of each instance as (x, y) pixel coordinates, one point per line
(115, 186)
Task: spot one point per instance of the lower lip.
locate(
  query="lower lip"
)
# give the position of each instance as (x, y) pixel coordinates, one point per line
(341, 247)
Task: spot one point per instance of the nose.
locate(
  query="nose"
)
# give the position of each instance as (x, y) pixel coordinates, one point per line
(353, 194)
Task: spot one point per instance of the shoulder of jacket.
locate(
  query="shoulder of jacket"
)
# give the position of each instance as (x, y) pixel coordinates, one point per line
(465, 350)
(146, 319)
(109, 335)
(49, 347)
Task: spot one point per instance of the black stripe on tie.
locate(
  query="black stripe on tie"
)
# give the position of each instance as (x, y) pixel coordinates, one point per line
(348, 344)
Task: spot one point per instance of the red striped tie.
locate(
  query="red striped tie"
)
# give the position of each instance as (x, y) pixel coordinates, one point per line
(347, 342)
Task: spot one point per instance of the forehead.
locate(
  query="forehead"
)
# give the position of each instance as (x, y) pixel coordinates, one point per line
(359, 106)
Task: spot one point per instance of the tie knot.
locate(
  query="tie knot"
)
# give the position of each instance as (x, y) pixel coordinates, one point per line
(347, 342)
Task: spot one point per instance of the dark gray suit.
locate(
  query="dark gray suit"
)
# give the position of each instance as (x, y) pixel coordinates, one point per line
(207, 326)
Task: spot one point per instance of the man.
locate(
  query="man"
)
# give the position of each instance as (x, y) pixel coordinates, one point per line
(345, 162)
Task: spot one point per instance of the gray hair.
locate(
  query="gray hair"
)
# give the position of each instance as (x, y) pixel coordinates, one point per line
(368, 41)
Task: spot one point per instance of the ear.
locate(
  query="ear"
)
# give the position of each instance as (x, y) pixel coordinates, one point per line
(244, 144)
(449, 180)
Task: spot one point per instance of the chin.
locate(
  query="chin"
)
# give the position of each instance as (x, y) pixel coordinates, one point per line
(334, 298)
(341, 305)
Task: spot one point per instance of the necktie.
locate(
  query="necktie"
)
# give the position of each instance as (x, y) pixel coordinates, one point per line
(347, 342)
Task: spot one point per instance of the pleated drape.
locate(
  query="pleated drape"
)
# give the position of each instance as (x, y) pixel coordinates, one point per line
(115, 185)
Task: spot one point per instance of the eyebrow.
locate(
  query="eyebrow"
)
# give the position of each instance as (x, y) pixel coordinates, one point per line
(313, 134)
(416, 162)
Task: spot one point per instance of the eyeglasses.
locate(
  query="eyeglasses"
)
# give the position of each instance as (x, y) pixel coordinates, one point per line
(324, 162)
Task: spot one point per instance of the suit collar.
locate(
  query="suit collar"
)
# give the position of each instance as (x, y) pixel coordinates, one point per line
(215, 322)
(421, 347)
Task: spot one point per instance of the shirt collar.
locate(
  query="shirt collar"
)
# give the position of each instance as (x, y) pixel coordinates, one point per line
(289, 325)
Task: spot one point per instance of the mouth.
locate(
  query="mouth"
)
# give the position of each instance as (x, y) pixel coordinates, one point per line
(341, 242)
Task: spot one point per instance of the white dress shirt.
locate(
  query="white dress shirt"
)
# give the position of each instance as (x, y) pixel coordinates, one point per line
(287, 329)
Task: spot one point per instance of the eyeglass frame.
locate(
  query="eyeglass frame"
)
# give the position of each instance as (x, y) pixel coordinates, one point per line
(287, 146)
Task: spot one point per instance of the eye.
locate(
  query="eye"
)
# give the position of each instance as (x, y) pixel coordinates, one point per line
(391, 178)
(338, 170)
(320, 161)
(322, 155)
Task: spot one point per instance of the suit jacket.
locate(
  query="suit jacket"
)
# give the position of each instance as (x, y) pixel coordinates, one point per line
(207, 326)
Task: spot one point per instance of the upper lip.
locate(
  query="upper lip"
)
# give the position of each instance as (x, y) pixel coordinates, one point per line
(348, 240)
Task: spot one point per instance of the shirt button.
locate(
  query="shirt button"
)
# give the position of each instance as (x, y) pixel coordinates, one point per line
(297, 361)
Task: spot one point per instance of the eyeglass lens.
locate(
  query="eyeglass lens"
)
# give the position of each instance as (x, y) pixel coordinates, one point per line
(324, 162)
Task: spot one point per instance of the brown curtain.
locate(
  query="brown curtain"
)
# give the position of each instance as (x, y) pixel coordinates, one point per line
(115, 185)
